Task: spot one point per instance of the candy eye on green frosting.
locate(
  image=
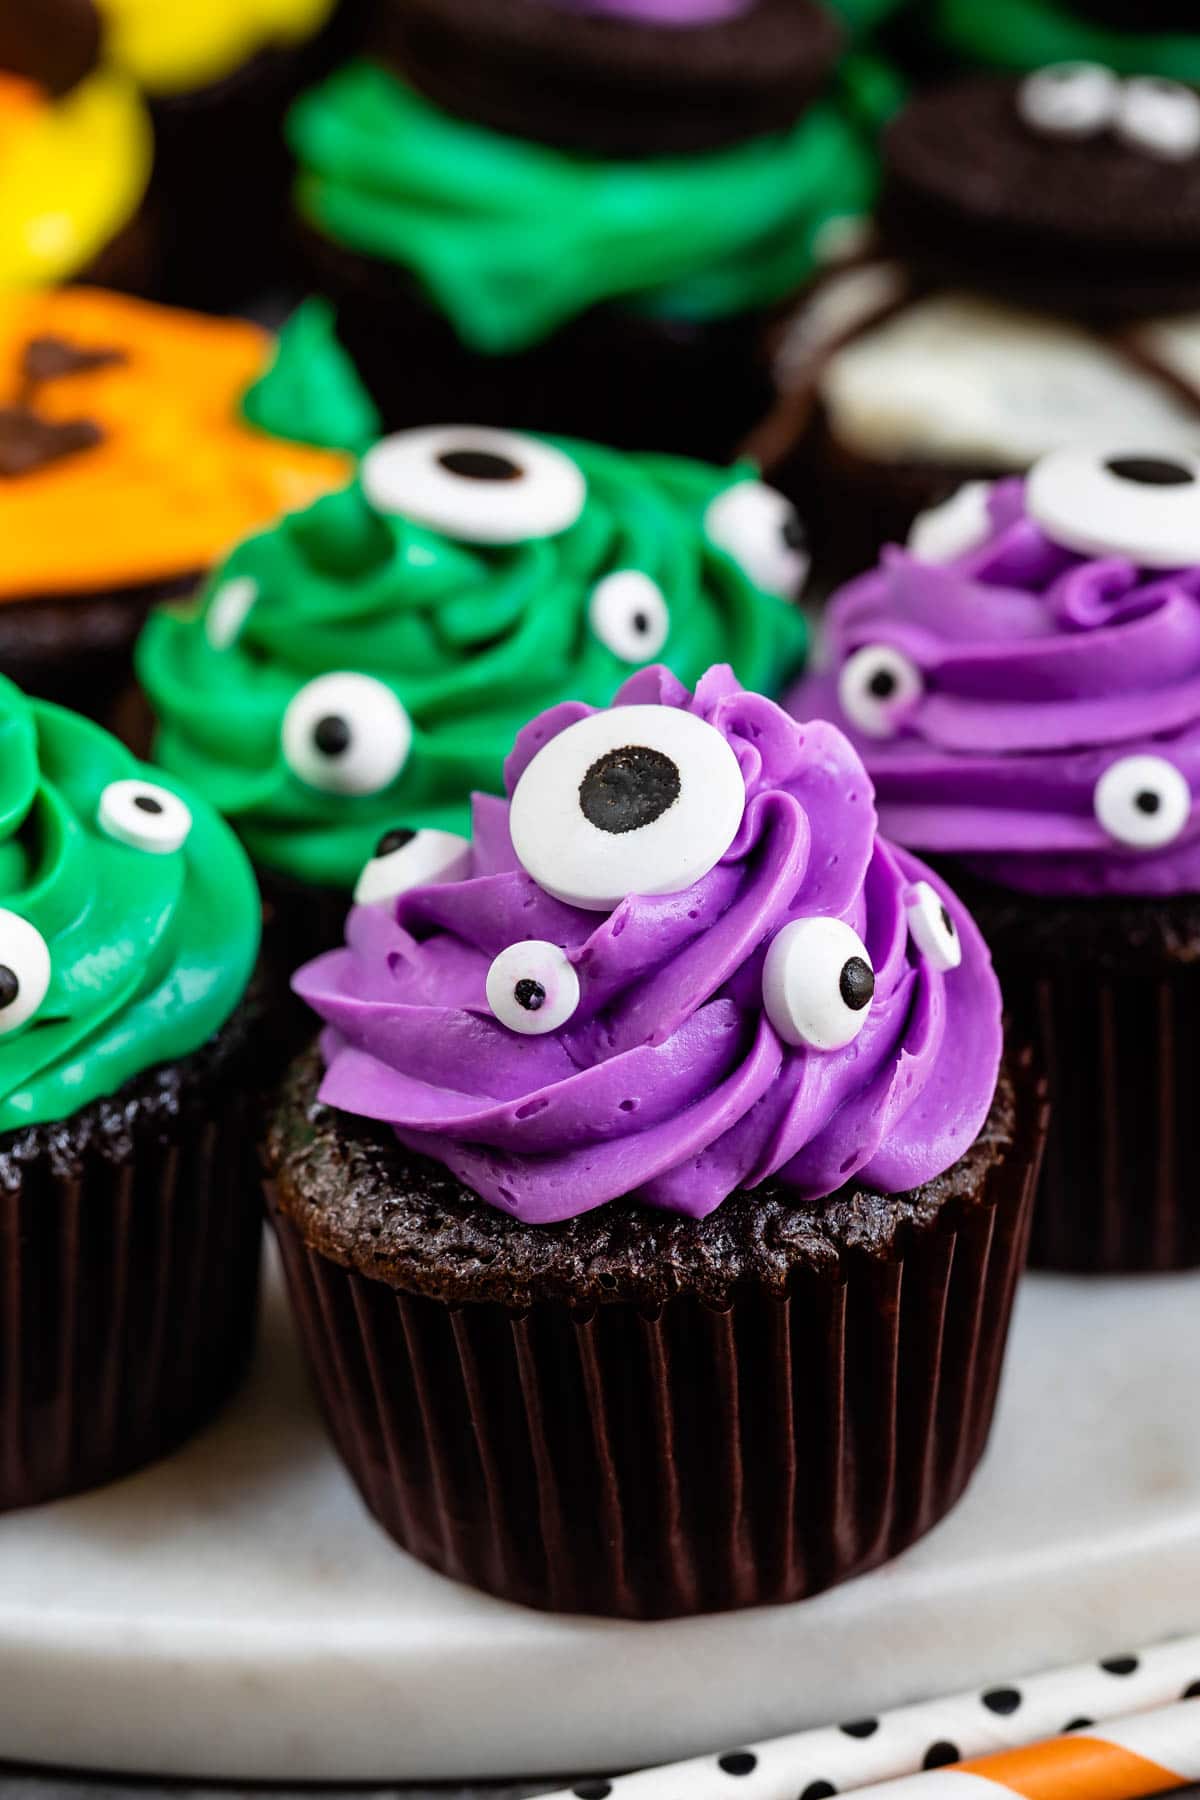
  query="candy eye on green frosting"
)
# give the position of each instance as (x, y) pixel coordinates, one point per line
(444, 645)
(129, 917)
(1029, 34)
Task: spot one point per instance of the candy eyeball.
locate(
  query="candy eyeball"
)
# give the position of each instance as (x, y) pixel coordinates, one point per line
(1143, 802)
(818, 984)
(960, 524)
(1144, 506)
(144, 816)
(346, 734)
(1069, 100)
(877, 685)
(24, 970)
(763, 533)
(407, 859)
(228, 610)
(931, 928)
(475, 484)
(629, 615)
(1159, 117)
(636, 800)
(532, 987)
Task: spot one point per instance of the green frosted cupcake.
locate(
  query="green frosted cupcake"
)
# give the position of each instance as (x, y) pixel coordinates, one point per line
(1132, 37)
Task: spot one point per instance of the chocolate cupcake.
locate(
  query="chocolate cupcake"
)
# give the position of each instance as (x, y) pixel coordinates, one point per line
(351, 676)
(129, 1231)
(653, 1227)
(1024, 684)
(594, 253)
(126, 469)
(1036, 283)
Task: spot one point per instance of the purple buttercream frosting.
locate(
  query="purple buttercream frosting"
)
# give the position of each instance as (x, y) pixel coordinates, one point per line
(669, 1084)
(659, 12)
(1046, 676)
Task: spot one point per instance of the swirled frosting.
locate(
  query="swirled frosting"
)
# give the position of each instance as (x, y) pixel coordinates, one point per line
(1040, 668)
(512, 238)
(149, 950)
(669, 1084)
(1030, 34)
(470, 638)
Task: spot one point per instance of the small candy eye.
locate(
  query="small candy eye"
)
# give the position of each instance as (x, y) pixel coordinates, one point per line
(1159, 117)
(346, 734)
(959, 524)
(635, 800)
(932, 929)
(474, 484)
(144, 816)
(408, 859)
(532, 987)
(629, 615)
(818, 984)
(876, 685)
(229, 609)
(1142, 801)
(1145, 507)
(24, 970)
(1069, 100)
(763, 533)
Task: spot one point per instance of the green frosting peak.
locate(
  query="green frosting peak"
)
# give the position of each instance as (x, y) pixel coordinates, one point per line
(1029, 34)
(512, 239)
(310, 391)
(149, 950)
(472, 639)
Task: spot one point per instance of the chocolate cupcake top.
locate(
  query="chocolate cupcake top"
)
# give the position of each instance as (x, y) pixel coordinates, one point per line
(1134, 37)
(129, 918)
(678, 961)
(512, 239)
(1024, 680)
(172, 46)
(365, 665)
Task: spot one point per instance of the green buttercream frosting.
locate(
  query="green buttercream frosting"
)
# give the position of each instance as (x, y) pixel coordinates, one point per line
(512, 239)
(310, 390)
(1028, 34)
(150, 952)
(472, 639)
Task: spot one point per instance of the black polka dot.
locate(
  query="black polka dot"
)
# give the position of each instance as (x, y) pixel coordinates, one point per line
(394, 840)
(331, 735)
(1150, 471)
(479, 465)
(10, 987)
(938, 1755)
(1002, 1700)
(738, 1762)
(860, 1728)
(628, 788)
(1079, 1724)
(1192, 1691)
(1120, 1665)
(530, 995)
(819, 1790)
(856, 983)
(592, 1790)
(147, 803)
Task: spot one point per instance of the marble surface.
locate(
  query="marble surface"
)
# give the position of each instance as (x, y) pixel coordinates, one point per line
(234, 1614)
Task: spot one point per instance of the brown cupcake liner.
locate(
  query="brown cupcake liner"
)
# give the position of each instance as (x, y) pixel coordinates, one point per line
(128, 1287)
(651, 1463)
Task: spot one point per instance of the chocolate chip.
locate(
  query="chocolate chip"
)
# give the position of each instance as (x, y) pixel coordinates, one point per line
(1150, 471)
(480, 465)
(395, 839)
(738, 1762)
(819, 1790)
(628, 788)
(331, 735)
(860, 1728)
(592, 1790)
(1002, 1700)
(530, 995)
(1120, 1665)
(1078, 1725)
(10, 987)
(28, 442)
(48, 358)
(940, 1754)
(856, 984)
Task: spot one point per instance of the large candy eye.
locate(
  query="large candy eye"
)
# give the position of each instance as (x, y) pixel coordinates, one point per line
(932, 929)
(636, 800)
(346, 734)
(229, 609)
(1145, 507)
(763, 532)
(628, 614)
(876, 686)
(959, 524)
(1142, 801)
(532, 987)
(474, 484)
(1161, 118)
(1069, 100)
(144, 816)
(818, 984)
(408, 859)
(24, 970)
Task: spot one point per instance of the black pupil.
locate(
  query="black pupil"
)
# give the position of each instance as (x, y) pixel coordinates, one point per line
(641, 623)
(530, 995)
(793, 532)
(628, 788)
(1147, 801)
(479, 465)
(856, 983)
(1150, 471)
(947, 923)
(147, 803)
(882, 684)
(331, 735)
(394, 840)
(10, 987)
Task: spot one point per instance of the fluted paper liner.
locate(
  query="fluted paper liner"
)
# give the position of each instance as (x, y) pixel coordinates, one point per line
(687, 1459)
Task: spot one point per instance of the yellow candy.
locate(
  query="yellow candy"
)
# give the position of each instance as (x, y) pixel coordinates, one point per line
(169, 46)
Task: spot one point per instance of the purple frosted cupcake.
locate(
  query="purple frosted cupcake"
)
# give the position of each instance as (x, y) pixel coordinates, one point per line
(653, 1210)
(1024, 684)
